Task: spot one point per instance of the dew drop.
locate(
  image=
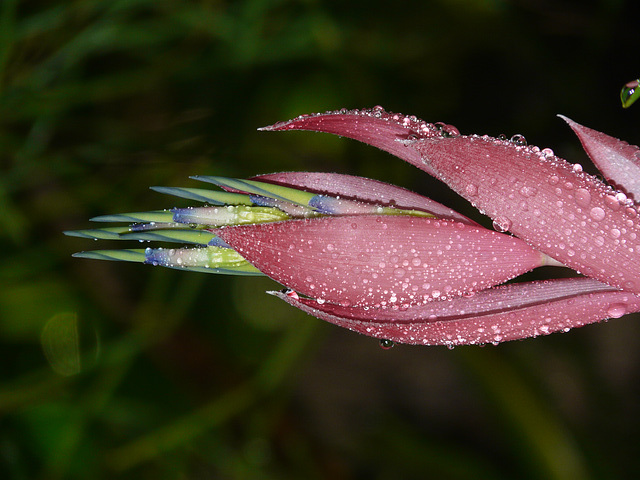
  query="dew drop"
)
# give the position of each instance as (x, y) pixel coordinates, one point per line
(450, 131)
(597, 213)
(629, 93)
(547, 152)
(290, 293)
(519, 140)
(616, 310)
(501, 224)
(612, 202)
(386, 344)
(399, 272)
(472, 190)
(528, 191)
(583, 197)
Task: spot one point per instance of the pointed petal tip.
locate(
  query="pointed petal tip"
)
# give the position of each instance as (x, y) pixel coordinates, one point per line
(618, 160)
(374, 126)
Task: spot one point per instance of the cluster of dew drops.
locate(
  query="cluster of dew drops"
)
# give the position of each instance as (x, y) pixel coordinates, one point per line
(419, 128)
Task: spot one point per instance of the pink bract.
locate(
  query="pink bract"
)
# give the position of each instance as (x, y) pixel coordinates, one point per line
(549, 203)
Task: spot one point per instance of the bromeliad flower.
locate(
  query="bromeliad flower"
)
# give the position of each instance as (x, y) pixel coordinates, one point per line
(392, 264)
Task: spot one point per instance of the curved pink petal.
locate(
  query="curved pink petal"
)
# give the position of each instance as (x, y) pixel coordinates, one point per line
(381, 260)
(499, 314)
(618, 161)
(375, 126)
(363, 189)
(554, 206)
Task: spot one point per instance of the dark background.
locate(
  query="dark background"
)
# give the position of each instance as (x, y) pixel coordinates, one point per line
(176, 375)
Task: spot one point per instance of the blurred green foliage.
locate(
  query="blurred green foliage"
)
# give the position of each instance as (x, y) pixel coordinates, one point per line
(126, 371)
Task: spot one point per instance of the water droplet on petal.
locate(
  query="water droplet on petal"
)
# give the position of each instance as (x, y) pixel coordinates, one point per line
(386, 344)
(528, 191)
(612, 202)
(616, 310)
(290, 293)
(597, 213)
(519, 140)
(583, 197)
(547, 152)
(501, 224)
(472, 190)
(450, 131)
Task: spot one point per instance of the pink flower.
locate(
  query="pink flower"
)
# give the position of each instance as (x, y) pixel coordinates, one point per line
(395, 265)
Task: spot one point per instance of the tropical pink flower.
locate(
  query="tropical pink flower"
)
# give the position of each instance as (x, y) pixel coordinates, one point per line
(395, 265)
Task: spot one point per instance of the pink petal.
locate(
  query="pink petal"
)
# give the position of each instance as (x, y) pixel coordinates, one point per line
(499, 314)
(373, 126)
(363, 189)
(381, 260)
(563, 212)
(618, 161)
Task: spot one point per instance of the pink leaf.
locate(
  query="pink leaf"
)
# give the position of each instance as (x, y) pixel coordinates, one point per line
(375, 126)
(499, 314)
(381, 260)
(363, 189)
(554, 206)
(618, 161)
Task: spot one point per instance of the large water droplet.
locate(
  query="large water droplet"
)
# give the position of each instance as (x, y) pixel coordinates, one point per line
(386, 344)
(630, 93)
(616, 310)
(519, 140)
(612, 202)
(501, 224)
(547, 152)
(597, 213)
(583, 197)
